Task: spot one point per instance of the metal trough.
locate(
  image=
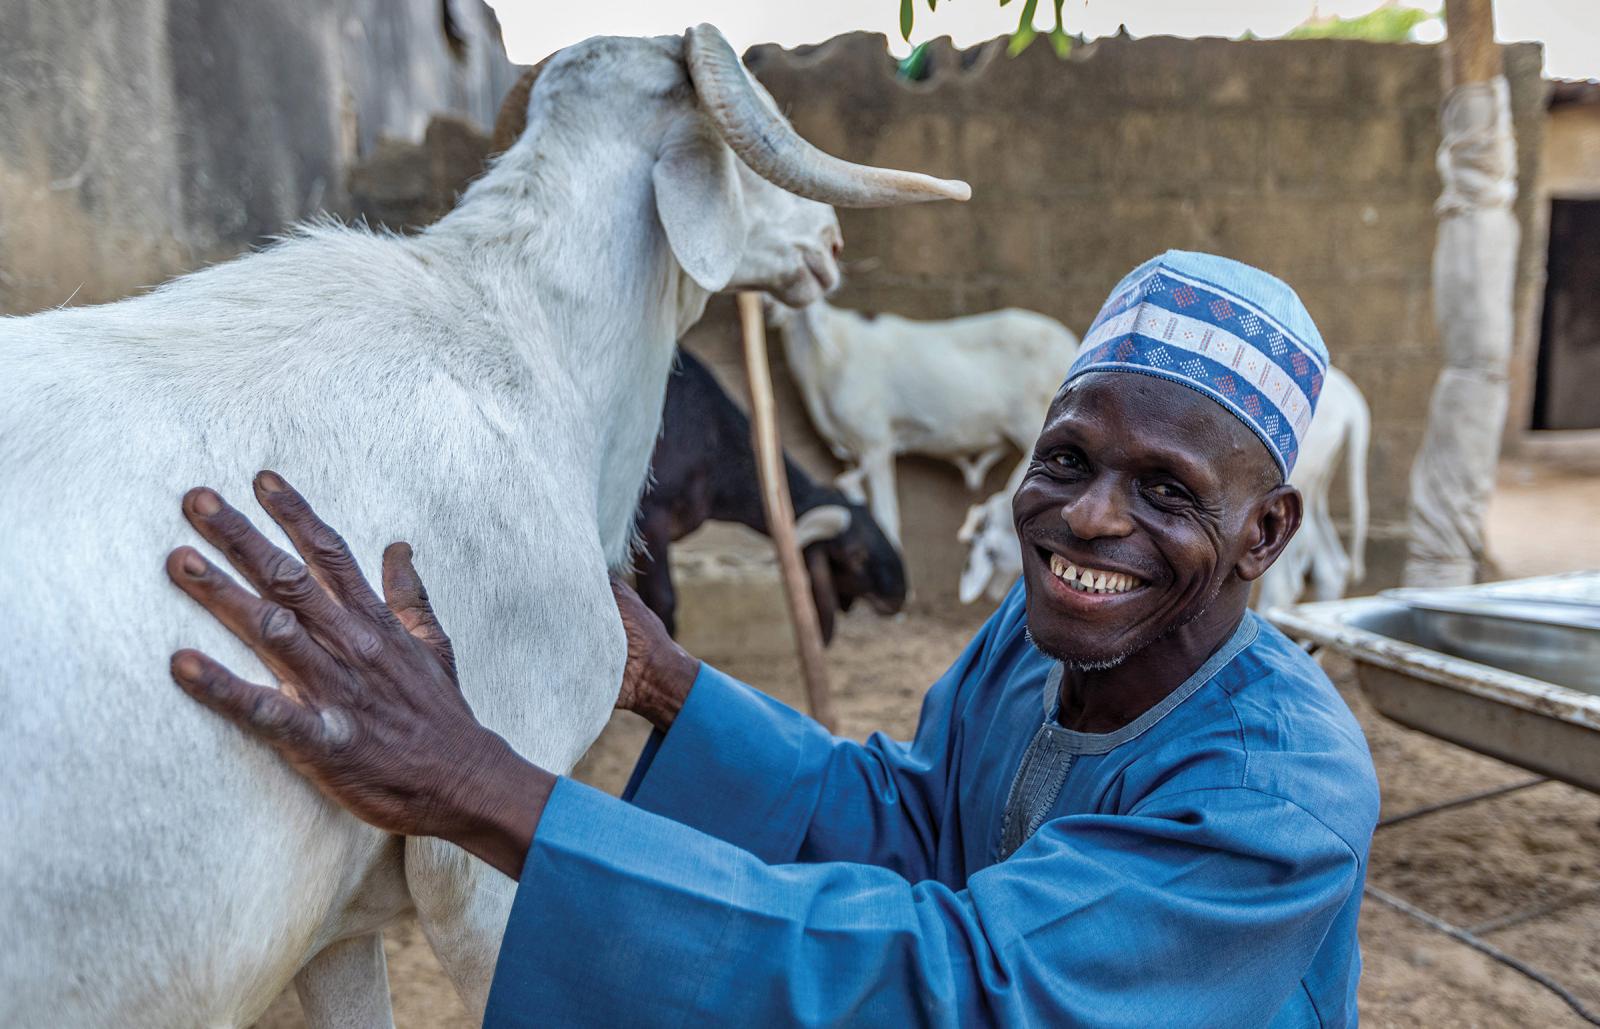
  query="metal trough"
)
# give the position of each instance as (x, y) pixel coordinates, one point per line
(1510, 669)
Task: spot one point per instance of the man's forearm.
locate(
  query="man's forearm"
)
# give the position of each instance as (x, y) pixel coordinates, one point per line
(671, 674)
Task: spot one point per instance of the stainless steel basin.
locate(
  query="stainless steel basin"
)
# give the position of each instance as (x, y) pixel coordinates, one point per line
(1511, 670)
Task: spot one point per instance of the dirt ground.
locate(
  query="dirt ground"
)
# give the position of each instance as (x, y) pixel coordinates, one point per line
(1529, 859)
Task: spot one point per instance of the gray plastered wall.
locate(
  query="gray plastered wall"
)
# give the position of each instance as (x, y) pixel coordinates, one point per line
(142, 138)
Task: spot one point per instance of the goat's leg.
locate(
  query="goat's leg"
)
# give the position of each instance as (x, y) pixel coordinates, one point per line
(849, 483)
(346, 986)
(975, 468)
(878, 467)
(1330, 565)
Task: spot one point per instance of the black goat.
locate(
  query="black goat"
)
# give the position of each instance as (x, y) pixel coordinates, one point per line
(704, 469)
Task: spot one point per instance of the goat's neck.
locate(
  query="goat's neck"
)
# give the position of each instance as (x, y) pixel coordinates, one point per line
(567, 254)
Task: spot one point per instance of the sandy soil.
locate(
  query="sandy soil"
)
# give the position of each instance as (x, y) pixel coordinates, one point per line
(1536, 849)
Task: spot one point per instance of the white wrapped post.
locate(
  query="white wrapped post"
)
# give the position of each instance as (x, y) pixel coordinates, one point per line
(1474, 267)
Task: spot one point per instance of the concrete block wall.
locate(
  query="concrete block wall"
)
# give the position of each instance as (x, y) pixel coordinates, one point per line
(1312, 159)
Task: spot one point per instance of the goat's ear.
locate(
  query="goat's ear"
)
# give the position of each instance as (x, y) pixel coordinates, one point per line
(823, 594)
(700, 202)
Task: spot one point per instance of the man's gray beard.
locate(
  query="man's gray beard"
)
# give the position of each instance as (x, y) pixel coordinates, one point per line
(1078, 664)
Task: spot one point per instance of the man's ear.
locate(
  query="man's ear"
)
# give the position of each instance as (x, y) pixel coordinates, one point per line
(1277, 518)
(700, 202)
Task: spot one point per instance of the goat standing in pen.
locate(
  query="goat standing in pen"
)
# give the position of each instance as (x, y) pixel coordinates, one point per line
(489, 389)
(705, 470)
(962, 390)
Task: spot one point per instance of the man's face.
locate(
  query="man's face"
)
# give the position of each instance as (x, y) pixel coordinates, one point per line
(1141, 499)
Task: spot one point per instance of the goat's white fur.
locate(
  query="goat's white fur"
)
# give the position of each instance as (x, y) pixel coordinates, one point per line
(488, 389)
(1341, 426)
(962, 390)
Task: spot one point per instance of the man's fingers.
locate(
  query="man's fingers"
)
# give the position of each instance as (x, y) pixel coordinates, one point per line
(269, 629)
(408, 599)
(275, 574)
(324, 550)
(260, 710)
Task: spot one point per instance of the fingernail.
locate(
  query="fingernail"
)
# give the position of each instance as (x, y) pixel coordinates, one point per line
(186, 666)
(192, 564)
(206, 502)
(271, 483)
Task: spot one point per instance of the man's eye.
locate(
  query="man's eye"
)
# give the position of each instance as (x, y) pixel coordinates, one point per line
(1066, 462)
(1166, 491)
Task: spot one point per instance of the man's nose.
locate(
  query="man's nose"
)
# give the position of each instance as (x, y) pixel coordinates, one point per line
(1099, 510)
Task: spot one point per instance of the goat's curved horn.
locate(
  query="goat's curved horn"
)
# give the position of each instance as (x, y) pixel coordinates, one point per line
(824, 522)
(776, 152)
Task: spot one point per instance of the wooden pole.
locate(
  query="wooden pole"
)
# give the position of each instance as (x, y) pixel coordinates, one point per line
(780, 511)
(1469, 42)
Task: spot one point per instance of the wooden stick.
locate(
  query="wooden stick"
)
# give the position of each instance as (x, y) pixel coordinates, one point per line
(780, 511)
(1470, 48)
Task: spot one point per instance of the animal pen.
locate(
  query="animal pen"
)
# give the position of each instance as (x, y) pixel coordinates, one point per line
(1313, 158)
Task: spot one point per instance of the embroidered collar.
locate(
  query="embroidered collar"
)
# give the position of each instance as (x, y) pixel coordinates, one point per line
(1101, 743)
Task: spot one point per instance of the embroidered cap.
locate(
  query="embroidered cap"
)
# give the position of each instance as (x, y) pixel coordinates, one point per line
(1222, 328)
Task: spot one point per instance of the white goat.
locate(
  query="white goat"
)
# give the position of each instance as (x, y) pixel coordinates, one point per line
(490, 389)
(994, 555)
(962, 390)
(1341, 426)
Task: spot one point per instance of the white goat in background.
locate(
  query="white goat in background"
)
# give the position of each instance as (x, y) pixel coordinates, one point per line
(489, 389)
(994, 555)
(963, 389)
(1342, 426)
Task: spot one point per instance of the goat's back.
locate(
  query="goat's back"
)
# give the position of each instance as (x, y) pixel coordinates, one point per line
(953, 386)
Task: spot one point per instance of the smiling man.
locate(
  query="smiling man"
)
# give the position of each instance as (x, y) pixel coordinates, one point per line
(1130, 802)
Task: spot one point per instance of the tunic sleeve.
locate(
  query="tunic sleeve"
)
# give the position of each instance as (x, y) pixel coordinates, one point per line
(754, 772)
(1204, 908)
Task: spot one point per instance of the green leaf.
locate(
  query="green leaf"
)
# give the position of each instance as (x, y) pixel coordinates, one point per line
(1025, 31)
(933, 5)
(1004, 2)
(1025, 22)
(1059, 40)
(906, 15)
(915, 66)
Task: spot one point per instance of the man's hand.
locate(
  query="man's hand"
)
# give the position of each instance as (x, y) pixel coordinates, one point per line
(368, 707)
(659, 673)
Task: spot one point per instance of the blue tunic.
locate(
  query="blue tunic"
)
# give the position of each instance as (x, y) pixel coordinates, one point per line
(1202, 866)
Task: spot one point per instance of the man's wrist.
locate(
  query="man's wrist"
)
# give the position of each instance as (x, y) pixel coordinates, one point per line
(671, 676)
(505, 797)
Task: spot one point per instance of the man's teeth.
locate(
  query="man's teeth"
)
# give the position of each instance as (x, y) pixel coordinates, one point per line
(1091, 580)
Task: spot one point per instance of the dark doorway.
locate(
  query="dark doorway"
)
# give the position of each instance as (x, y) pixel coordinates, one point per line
(1567, 388)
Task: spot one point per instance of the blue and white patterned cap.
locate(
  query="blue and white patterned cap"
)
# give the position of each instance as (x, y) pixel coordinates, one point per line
(1225, 329)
